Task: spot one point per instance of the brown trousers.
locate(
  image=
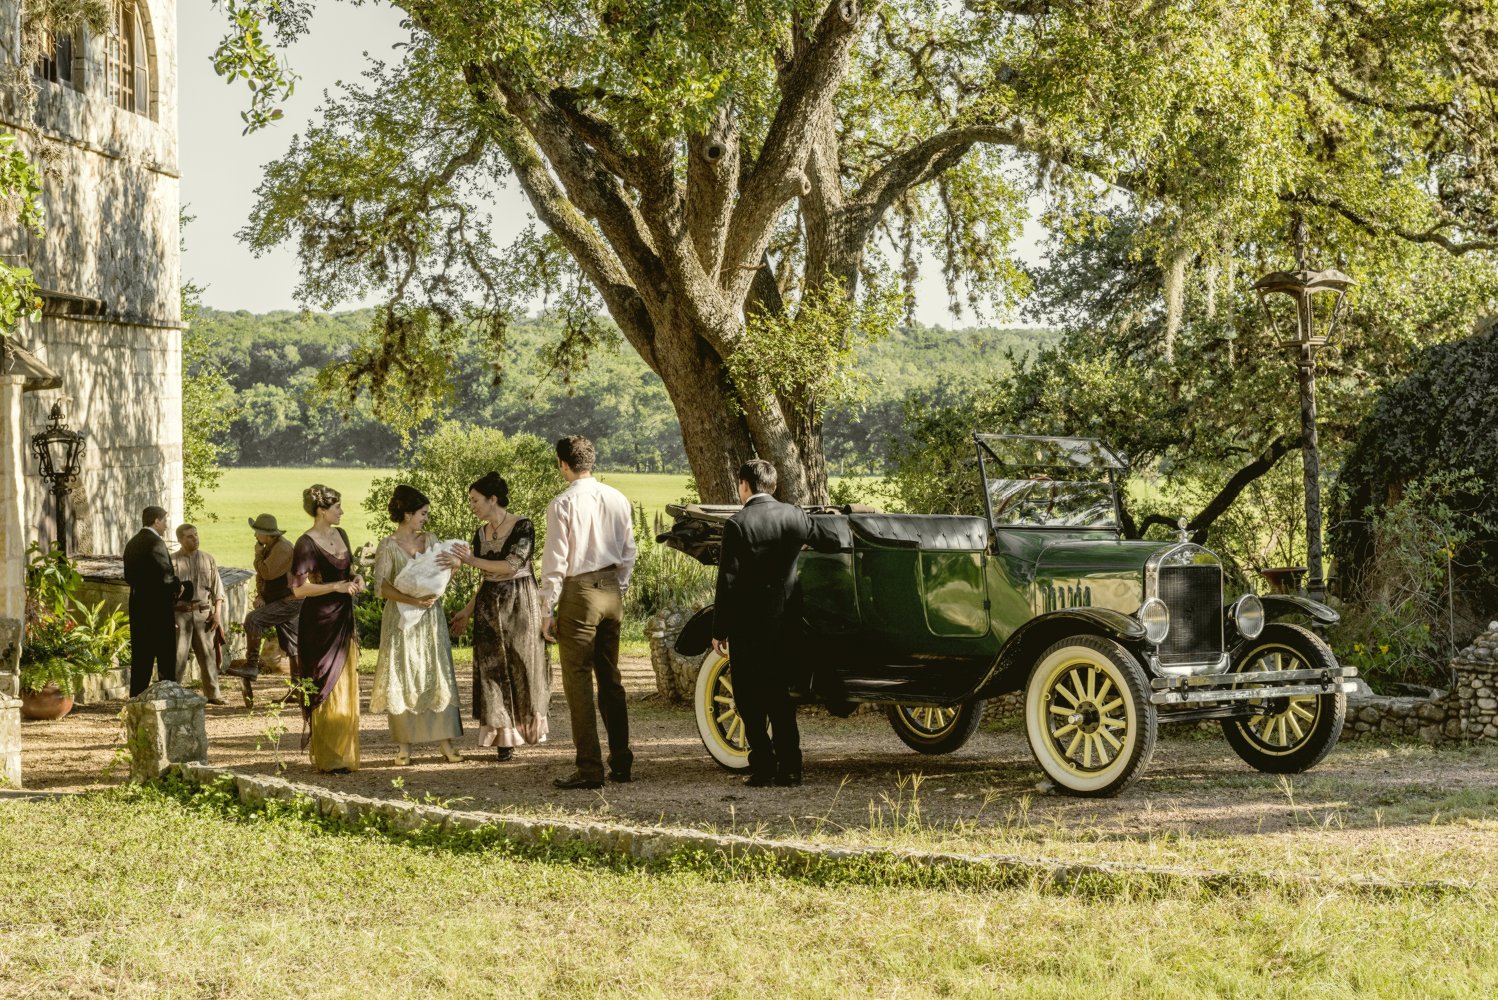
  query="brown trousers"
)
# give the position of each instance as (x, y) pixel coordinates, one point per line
(589, 613)
(195, 639)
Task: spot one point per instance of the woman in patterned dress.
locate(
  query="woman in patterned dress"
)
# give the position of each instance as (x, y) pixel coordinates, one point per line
(322, 575)
(511, 675)
(414, 682)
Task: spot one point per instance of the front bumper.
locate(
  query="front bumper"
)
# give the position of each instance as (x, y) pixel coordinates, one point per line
(1266, 684)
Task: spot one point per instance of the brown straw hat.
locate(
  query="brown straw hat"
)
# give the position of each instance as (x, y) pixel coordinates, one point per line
(267, 524)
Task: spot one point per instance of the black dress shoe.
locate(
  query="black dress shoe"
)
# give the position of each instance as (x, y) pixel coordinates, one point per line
(790, 779)
(576, 781)
(759, 780)
(620, 777)
(505, 753)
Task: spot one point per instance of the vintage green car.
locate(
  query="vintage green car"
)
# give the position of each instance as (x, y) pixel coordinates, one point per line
(929, 615)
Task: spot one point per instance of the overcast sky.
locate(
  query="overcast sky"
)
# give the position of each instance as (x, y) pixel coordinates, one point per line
(221, 168)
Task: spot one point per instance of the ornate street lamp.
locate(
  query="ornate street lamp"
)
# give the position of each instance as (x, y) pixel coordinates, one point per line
(59, 453)
(1306, 288)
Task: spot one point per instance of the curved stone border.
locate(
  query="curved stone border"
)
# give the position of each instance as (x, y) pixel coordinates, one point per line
(648, 843)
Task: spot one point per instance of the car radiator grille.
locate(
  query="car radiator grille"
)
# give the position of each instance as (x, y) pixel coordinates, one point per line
(1194, 596)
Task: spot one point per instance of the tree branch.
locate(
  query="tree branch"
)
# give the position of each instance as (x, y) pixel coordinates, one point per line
(1227, 496)
(557, 212)
(1456, 247)
(808, 85)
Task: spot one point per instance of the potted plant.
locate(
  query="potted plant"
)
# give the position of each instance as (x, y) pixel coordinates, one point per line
(66, 641)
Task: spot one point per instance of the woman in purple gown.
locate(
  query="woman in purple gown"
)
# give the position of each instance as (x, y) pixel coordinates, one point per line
(322, 575)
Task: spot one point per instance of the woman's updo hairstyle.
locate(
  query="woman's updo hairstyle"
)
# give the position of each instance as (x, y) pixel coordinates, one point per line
(492, 485)
(319, 497)
(406, 500)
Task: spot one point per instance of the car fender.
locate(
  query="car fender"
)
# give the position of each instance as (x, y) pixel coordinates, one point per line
(1012, 665)
(697, 634)
(1277, 606)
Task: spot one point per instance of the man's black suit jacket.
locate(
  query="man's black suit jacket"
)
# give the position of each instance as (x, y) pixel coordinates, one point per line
(149, 571)
(757, 565)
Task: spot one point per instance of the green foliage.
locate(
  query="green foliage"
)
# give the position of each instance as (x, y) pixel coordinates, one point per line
(208, 407)
(663, 577)
(66, 640)
(1406, 626)
(1435, 433)
(807, 356)
(20, 204)
(244, 55)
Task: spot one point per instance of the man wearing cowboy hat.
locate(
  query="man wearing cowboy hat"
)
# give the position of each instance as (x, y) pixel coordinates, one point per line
(275, 606)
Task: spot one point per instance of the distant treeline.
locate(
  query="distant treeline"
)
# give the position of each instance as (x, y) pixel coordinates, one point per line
(272, 361)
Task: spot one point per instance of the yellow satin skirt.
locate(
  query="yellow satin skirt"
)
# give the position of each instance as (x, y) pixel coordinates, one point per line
(334, 737)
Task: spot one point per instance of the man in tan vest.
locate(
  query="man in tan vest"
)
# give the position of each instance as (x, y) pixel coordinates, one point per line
(198, 620)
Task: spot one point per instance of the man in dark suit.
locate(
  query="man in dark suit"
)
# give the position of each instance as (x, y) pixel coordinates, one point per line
(154, 590)
(756, 574)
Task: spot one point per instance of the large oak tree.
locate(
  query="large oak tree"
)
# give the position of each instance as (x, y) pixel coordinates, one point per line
(737, 183)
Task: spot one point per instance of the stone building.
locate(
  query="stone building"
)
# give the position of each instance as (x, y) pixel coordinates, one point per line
(96, 112)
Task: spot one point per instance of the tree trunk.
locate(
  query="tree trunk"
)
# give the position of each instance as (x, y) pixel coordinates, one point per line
(714, 437)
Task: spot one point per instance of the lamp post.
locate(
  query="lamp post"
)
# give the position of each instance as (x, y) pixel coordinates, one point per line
(59, 453)
(1302, 286)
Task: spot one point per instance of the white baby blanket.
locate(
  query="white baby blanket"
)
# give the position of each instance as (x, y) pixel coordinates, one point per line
(422, 577)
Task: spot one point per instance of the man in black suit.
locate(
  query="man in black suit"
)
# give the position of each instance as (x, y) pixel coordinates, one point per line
(756, 574)
(154, 590)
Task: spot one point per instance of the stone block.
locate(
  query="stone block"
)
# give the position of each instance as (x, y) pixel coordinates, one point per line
(1431, 711)
(164, 725)
(10, 741)
(1452, 730)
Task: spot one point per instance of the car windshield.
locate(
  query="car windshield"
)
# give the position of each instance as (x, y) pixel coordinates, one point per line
(1048, 481)
(1051, 503)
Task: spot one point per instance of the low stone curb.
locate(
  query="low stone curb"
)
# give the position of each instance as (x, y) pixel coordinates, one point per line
(652, 843)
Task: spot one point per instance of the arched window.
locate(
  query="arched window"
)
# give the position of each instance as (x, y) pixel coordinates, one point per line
(127, 59)
(55, 62)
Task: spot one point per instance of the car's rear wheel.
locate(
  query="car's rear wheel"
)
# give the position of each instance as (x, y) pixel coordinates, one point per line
(718, 721)
(1088, 716)
(1287, 735)
(935, 729)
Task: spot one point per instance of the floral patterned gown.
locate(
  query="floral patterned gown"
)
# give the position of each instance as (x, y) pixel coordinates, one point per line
(414, 683)
(511, 675)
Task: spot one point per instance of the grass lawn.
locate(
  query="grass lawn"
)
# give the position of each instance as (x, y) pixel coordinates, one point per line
(154, 897)
(244, 493)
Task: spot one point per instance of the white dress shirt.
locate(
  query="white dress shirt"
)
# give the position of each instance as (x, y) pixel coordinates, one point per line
(589, 527)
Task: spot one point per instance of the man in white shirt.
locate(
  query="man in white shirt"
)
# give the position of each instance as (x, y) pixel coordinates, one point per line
(590, 552)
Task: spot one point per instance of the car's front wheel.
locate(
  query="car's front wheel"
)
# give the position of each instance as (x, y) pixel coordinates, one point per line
(935, 729)
(1287, 735)
(718, 720)
(1088, 716)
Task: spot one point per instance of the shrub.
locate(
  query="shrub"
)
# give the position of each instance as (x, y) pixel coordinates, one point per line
(663, 577)
(66, 640)
(1408, 620)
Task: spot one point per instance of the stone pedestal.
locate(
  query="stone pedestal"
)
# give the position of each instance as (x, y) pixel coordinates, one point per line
(10, 742)
(164, 725)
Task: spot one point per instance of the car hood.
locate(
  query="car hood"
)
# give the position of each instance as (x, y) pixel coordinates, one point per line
(1077, 557)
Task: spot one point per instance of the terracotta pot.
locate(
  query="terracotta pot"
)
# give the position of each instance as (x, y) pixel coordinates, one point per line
(45, 705)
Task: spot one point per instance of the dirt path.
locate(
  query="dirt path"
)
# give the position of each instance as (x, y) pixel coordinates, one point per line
(862, 782)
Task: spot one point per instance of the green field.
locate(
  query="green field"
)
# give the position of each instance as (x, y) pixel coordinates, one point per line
(244, 493)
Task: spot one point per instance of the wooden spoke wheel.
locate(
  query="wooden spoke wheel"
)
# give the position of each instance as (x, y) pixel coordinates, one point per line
(935, 729)
(1287, 735)
(1088, 717)
(718, 720)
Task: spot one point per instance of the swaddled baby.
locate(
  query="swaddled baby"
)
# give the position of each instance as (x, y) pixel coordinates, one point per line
(422, 577)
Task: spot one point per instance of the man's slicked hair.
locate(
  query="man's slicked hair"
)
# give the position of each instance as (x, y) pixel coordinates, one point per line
(151, 515)
(760, 475)
(578, 452)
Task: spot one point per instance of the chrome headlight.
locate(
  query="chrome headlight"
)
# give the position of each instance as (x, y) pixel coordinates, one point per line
(1155, 617)
(1248, 615)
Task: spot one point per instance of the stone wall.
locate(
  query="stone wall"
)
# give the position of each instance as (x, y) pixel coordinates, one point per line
(1476, 670)
(109, 271)
(1429, 720)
